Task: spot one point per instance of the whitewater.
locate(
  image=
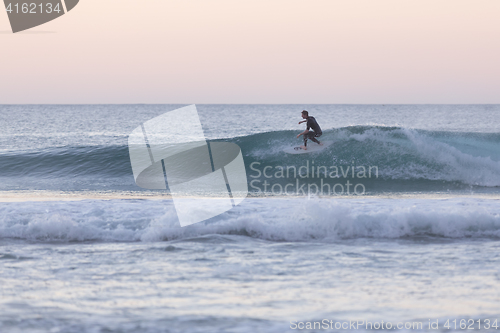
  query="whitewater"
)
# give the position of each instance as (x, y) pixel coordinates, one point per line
(83, 249)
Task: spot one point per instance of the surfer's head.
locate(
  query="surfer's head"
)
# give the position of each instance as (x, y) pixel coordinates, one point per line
(305, 114)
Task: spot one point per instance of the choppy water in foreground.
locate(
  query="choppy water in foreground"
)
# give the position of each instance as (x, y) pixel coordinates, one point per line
(422, 243)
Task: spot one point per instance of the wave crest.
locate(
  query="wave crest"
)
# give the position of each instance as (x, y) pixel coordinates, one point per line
(401, 154)
(291, 220)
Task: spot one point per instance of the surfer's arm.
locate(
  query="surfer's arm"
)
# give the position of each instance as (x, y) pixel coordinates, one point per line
(303, 121)
(305, 132)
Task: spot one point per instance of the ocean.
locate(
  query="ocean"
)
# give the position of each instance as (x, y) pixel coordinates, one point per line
(395, 226)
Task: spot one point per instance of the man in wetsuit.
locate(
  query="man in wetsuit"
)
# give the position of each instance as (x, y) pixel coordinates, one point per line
(316, 130)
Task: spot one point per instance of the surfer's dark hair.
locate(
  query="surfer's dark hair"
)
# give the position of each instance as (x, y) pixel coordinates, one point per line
(305, 112)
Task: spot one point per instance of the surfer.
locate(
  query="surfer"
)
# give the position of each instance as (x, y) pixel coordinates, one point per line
(316, 130)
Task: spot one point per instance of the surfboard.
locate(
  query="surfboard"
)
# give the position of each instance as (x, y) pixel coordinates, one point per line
(312, 147)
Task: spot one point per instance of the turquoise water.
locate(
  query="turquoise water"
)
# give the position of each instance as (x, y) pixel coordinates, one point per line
(410, 149)
(419, 244)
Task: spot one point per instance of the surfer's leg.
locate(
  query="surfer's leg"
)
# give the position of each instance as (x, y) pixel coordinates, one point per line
(317, 136)
(305, 142)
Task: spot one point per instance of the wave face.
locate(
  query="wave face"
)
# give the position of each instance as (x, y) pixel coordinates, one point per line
(398, 153)
(276, 220)
(401, 159)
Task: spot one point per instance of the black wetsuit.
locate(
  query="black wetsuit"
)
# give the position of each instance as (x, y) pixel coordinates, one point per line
(311, 123)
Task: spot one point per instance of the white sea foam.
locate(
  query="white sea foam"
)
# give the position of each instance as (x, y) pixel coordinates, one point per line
(294, 220)
(432, 159)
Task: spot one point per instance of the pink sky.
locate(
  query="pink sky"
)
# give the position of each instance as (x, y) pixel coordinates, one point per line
(258, 51)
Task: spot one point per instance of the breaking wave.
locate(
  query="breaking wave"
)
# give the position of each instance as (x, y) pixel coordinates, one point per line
(290, 220)
(401, 155)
